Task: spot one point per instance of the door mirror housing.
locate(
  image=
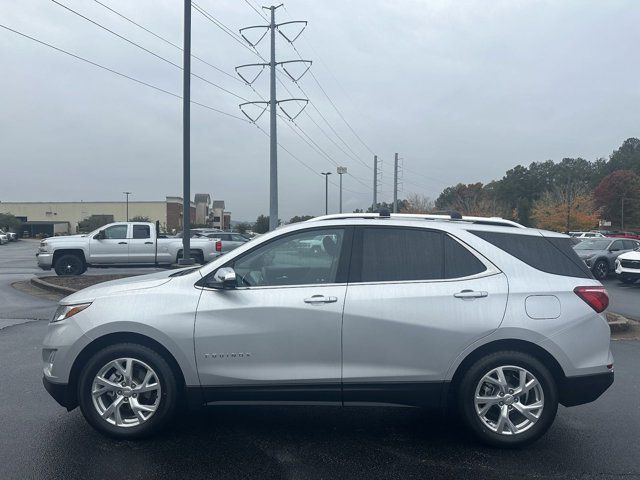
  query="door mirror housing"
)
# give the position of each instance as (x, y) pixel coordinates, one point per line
(100, 235)
(224, 278)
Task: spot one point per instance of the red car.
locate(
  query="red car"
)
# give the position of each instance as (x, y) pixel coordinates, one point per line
(631, 235)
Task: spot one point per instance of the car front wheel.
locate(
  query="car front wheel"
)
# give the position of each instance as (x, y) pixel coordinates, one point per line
(508, 399)
(127, 391)
(601, 269)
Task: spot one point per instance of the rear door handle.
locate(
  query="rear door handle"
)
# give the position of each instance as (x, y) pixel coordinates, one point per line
(122, 243)
(318, 299)
(470, 294)
(148, 243)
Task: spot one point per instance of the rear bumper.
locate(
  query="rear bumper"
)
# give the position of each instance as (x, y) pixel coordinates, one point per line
(60, 393)
(584, 389)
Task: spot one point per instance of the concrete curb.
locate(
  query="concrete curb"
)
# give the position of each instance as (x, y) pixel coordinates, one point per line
(39, 282)
(617, 322)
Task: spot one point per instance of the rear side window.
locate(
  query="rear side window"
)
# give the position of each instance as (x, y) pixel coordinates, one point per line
(458, 261)
(397, 254)
(141, 231)
(547, 254)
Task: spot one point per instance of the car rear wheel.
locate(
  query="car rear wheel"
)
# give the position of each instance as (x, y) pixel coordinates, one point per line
(69, 264)
(601, 269)
(508, 399)
(127, 391)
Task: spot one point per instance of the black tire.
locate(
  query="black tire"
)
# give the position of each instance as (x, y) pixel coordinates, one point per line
(166, 378)
(627, 280)
(600, 269)
(467, 391)
(69, 264)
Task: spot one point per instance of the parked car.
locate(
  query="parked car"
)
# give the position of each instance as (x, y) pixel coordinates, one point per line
(630, 235)
(586, 234)
(198, 232)
(479, 315)
(4, 238)
(12, 236)
(228, 240)
(628, 267)
(117, 244)
(600, 253)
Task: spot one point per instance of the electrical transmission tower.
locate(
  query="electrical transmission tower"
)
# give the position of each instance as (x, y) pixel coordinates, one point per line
(273, 102)
(377, 180)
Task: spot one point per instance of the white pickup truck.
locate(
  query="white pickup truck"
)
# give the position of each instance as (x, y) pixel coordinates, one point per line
(120, 244)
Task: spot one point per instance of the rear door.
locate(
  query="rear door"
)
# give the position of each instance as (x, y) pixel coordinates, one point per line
(142, 248)
(416, 298)
(114, 248)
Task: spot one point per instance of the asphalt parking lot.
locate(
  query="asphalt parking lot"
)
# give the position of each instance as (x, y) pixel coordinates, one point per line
(39, 439)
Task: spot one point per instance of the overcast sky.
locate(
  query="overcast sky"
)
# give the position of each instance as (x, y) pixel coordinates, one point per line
(463, 90)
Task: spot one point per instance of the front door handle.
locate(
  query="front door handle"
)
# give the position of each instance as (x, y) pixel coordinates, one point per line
(122, 243)
(464, 294)
(318, 299)
(148, 243)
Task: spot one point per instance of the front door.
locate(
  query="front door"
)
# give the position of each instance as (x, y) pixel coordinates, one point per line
(277, 335)
(415, 300)
(114, 248)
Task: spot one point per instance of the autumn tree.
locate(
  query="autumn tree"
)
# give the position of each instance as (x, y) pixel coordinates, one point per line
(619, 192)
(468, 199)
(563, 210)
(417, 203)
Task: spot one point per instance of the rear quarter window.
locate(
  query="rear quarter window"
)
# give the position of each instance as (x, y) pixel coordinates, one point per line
(547, 254)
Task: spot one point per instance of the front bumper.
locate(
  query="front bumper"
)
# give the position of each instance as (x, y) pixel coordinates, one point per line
(60, 393)
(584, 389)
(45, 260)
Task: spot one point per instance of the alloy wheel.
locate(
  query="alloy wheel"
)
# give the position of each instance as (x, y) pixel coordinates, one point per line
(126, 392)
(509, 400)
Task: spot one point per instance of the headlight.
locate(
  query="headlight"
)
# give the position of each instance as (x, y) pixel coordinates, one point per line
(67, 311)
(43, 246)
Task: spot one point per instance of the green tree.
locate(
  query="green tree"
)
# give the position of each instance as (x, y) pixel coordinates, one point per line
(617, 192)
(9, 222)
(300, 218)
(627, 157)
(262, 224)
(243, 227)
(94, 222)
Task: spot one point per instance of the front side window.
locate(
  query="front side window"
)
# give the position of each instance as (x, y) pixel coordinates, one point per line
(116, 232)
(399, 254)
(304, 258)
(617, 245)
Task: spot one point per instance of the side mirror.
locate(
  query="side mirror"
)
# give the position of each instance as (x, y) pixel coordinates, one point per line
(100, 235)
(224, 278)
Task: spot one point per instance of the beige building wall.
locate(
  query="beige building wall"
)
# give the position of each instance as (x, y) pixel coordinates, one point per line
(74, 212)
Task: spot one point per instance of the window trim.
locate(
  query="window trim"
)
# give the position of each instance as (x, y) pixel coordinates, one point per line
(355, 269)
(342, 274)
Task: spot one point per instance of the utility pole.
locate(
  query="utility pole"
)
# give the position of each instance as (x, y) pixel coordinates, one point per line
(186, 140)
(273, 102)
(395, 184)
(326, 191)
(127, 194)
(569, 201)
(375, 183)
(622, 215)
(341, 171)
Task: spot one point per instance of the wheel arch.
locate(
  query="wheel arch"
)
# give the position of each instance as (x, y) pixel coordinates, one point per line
(68, 251)
(111, 339)
(536, 351)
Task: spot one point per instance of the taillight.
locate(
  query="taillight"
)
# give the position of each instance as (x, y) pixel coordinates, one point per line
(595, 297)
(219, 246)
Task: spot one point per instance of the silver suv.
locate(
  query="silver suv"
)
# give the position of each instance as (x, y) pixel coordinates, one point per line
(492, 320)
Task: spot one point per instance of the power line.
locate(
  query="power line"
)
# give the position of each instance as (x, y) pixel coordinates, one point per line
(160, 57)
(120, 74)
(169, 42)
(255, 9)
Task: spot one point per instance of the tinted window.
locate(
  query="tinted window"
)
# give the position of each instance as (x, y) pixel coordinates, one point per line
(617, 245)
(551, 255)
(116, 232)
(629, 244)
(595, 244)
(458, 261)
(141, 231)
(310, 257)
(396, 254)
(238, 238)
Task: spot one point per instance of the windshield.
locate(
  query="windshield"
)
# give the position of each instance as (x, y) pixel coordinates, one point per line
(600, 244)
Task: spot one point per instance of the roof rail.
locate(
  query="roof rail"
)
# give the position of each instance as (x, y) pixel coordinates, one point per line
(453, 216)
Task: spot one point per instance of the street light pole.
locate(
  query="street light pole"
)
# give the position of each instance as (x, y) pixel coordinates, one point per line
(186, 140)
(127, 194)
(341, 171)
(326, 192)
